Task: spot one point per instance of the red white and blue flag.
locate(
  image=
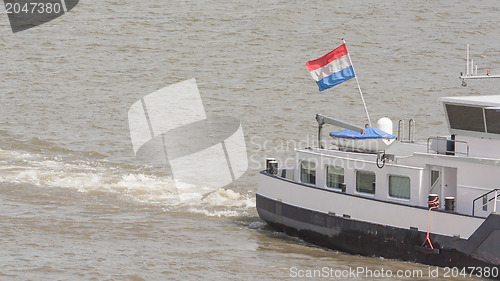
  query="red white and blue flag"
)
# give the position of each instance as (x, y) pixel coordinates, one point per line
(332, 68)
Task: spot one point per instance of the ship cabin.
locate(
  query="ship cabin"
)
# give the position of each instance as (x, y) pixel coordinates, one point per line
(462, 168)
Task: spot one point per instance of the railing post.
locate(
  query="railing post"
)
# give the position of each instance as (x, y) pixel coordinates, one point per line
(495, 203)
(410, 122)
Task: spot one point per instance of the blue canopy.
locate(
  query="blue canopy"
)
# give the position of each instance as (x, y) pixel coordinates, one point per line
(370, 133)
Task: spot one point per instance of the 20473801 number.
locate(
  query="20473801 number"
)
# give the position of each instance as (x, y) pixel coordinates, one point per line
(471, 271)
(33, 8)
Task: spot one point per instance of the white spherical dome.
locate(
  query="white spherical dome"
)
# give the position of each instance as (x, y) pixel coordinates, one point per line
(385, 124)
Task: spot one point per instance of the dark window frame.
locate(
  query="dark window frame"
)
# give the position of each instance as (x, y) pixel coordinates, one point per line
(467, 118)
(366, 188)
(311, 175)
(338, 185)
(492, 120)
(394, 194)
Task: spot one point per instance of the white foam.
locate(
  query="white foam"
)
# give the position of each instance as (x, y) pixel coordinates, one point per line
(83, 176)
(223, 213)
(223, 203)
(228, 197)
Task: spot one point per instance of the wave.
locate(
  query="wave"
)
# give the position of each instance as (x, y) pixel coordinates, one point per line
(17, 142)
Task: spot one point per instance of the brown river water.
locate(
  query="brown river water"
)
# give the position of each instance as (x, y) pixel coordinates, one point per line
(75, 204)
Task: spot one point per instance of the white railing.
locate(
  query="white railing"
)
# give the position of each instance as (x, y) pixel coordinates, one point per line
(491, 197)
(447, 146)
(411, 131)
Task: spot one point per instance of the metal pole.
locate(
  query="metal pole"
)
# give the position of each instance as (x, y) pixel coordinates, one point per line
(359, 87)
(495, 203)
(472, 67)
(467, 69)
(319, 136)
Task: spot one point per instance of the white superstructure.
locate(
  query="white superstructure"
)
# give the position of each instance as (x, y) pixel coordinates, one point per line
(464, 166)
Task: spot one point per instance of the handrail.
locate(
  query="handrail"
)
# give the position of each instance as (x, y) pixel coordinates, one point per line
(497, 194)
(410, 138)
(411, 131)
(451, 152)
(401, 130)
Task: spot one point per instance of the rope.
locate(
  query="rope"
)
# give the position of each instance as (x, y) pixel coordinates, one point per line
(434, 204)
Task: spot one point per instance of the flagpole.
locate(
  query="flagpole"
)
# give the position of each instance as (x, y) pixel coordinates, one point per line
(359, 87)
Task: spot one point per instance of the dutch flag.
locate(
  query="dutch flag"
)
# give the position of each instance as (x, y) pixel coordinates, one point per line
(332, 68)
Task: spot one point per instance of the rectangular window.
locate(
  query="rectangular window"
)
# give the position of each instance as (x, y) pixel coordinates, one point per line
(365, 182)
(334, 177)
(308, 172)
(399, 187)
(465, 117)
(492, 121)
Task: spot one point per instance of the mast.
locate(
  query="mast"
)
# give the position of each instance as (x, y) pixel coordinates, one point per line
(471, 70)
(359, 87)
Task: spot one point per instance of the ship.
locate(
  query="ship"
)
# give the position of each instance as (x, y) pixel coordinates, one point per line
(375, 193)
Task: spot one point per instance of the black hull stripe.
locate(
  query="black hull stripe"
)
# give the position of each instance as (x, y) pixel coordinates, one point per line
(363, 238)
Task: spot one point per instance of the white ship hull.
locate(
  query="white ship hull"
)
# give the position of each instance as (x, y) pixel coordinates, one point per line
(341, 221)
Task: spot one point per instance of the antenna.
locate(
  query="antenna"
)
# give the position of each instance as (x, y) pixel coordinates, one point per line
(471, 70)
